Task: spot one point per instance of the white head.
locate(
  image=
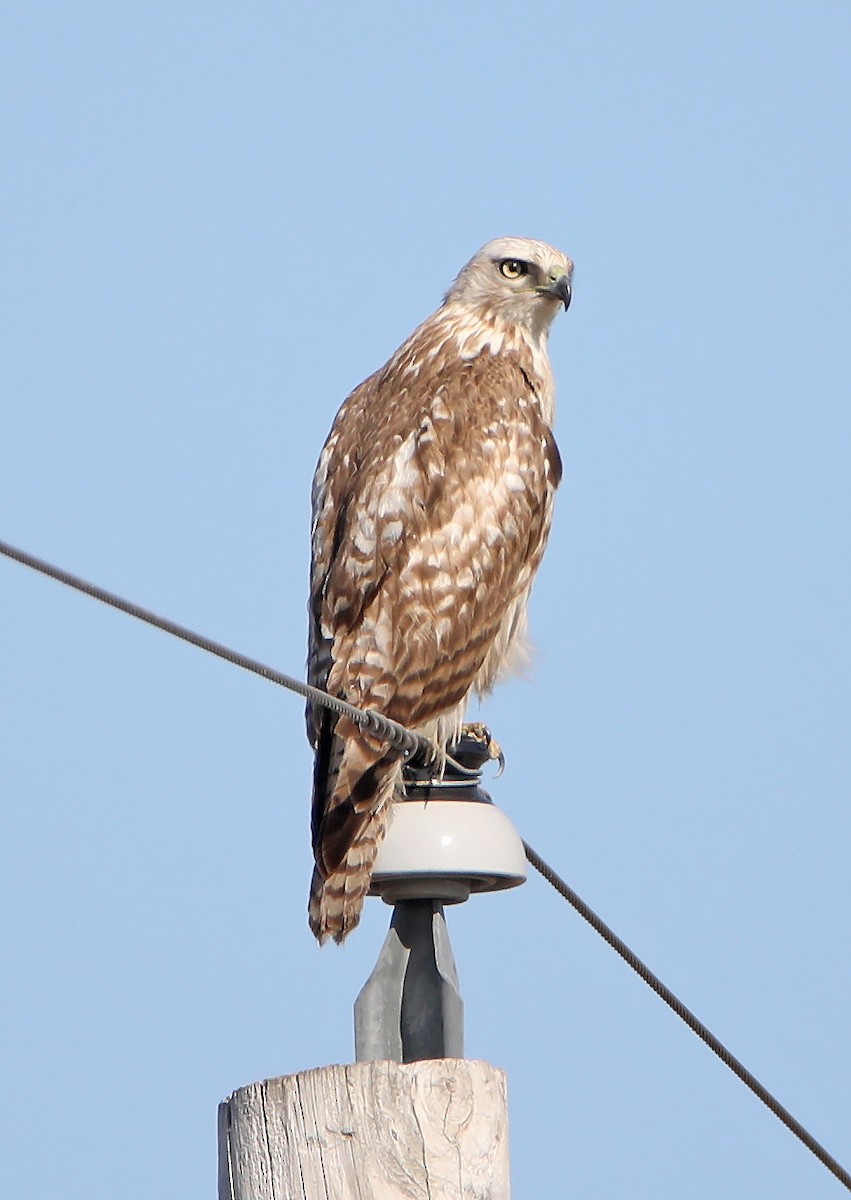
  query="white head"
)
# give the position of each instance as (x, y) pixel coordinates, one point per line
(516, 280)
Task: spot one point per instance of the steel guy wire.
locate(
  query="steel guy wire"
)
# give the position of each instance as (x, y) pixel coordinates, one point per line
(402, 739)
(694, 1023)
(410, 743)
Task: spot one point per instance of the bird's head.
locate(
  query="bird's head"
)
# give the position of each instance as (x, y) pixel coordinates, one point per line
(517, 280)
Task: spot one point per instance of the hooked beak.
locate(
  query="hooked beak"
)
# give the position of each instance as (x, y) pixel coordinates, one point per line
(559, 290)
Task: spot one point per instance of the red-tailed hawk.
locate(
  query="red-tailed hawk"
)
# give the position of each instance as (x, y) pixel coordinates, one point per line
(432, 503)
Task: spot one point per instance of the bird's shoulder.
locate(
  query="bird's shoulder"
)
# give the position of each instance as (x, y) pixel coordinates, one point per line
(430, 392)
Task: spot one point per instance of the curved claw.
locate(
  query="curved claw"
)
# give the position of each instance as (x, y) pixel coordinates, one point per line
(481, 734)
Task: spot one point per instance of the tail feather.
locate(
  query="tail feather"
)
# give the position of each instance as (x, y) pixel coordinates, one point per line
(337, 892)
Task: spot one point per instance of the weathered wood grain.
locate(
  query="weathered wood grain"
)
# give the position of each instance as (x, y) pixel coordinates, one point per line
(431, 1130)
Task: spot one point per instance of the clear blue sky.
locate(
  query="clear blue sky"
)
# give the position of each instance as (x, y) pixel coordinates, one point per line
(217, 219)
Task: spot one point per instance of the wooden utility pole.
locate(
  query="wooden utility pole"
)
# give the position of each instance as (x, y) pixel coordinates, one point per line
(431, 1130)
(411, 1119)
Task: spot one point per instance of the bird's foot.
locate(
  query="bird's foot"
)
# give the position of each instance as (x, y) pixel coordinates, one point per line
(480, 733)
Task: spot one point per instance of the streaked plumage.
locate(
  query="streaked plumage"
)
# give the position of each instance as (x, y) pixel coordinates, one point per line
(432, 503)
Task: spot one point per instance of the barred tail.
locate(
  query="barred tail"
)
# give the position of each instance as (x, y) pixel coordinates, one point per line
(336, 900)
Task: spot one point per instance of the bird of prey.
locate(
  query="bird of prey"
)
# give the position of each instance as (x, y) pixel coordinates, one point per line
(432, 502)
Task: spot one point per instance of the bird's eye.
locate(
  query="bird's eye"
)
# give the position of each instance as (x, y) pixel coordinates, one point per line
(513, 268)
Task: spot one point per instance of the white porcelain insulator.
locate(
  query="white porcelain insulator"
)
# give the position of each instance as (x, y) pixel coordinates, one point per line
(446, 849)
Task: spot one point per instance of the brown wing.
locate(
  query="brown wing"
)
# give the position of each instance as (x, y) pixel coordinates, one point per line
(432, 503)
